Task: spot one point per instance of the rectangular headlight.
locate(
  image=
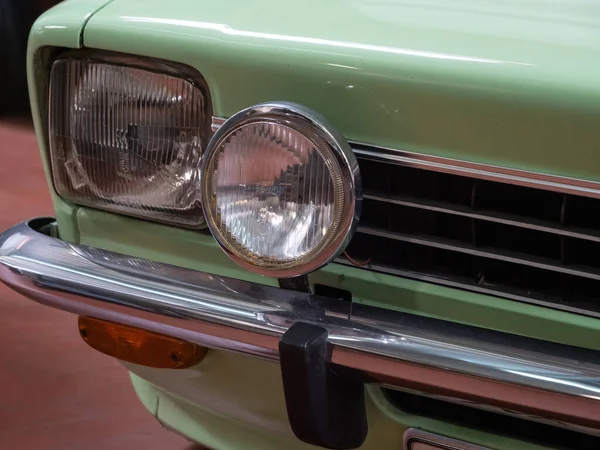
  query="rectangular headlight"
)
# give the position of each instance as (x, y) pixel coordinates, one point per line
(128, 138)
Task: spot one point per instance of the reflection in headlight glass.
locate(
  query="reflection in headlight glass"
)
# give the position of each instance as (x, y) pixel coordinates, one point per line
(274, 194)
(127, 140)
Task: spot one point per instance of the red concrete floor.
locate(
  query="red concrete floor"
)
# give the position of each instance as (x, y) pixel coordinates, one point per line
(55, 392)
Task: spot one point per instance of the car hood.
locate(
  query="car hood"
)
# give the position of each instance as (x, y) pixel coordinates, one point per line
(506, 83)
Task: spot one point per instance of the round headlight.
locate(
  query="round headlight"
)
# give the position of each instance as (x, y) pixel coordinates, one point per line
(281, 189)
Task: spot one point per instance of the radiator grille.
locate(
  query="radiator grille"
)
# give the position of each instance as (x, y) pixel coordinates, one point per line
(518, 242)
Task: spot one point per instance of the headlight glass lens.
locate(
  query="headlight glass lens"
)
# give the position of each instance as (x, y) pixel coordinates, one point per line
(276, 196)
(127, 139)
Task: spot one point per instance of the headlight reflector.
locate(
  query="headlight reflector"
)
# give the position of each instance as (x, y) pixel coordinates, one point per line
(127, 139)
(281, 189)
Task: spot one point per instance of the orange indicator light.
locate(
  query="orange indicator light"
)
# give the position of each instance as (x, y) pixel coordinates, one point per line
(139, 346)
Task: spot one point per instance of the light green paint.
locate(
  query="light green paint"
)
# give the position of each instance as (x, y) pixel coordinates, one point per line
(146, 392)
(514, 84)
(478, 80)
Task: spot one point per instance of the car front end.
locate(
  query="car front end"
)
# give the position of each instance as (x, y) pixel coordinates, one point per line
(346, 225)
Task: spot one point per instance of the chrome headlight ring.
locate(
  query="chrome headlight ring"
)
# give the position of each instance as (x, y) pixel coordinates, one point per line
(281, 189)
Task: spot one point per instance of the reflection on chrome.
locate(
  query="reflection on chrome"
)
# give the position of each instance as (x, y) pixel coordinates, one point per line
(462, 362)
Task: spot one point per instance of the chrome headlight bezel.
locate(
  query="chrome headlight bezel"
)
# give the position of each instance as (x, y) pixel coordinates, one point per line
(316, 128)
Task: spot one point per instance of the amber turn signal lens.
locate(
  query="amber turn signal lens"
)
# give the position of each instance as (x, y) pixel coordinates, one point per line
(139, 346)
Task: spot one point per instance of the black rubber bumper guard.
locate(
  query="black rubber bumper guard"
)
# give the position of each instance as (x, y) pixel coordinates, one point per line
(325, 408)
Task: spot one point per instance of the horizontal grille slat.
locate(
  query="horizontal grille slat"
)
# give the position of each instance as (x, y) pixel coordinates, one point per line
(507, 257)
(500, 236)
(490, 216)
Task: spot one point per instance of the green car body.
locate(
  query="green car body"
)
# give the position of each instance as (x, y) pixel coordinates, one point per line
(507, 84)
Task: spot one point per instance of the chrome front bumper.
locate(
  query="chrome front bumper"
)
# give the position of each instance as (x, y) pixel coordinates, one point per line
(542, 380)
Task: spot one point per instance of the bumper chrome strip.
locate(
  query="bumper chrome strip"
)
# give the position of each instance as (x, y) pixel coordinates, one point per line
(540, 379)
